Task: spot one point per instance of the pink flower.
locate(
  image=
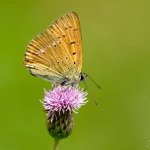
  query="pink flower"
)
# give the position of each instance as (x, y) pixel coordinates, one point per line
(63, 99)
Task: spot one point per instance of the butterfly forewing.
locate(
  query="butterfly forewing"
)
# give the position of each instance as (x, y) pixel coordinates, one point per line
(69, 26)
(57, 52)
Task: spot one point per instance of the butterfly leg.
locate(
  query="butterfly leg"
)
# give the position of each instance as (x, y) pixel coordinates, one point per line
(53, 85)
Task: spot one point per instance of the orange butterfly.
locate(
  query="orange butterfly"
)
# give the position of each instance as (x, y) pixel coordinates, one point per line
(56, 54)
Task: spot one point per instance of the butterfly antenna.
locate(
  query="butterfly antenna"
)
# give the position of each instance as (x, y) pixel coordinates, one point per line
(98, 86)
(96, 102)
(85, 86)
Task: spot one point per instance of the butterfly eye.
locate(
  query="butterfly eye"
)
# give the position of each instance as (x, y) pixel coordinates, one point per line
(54, 44)
(83, 76)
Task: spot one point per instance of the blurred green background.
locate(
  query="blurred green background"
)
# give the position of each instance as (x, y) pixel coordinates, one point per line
(116, 43)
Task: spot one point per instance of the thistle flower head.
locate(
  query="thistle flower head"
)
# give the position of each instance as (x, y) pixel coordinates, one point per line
(64, 98)
(59, 104)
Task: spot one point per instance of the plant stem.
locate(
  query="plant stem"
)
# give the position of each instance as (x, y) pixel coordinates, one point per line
(56, 141)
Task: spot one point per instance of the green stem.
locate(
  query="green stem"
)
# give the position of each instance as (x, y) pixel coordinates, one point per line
(55, 147)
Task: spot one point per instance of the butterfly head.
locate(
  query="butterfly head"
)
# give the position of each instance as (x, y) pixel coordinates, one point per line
(83, 76)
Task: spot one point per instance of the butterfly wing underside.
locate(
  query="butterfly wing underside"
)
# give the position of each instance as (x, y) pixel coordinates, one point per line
(57, 52)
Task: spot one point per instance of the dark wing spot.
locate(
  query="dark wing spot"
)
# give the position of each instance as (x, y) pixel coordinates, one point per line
(73, 42)
(66, 58)
(54, 45)
(73, 53)
(74, 62)
(65, 28)
(33, 53)
(51, 30)
(64, 35)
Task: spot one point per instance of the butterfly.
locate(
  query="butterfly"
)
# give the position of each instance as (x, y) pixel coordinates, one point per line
(56, 54)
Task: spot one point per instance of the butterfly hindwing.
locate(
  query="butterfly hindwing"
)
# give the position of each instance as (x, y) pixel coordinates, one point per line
(58, 51)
